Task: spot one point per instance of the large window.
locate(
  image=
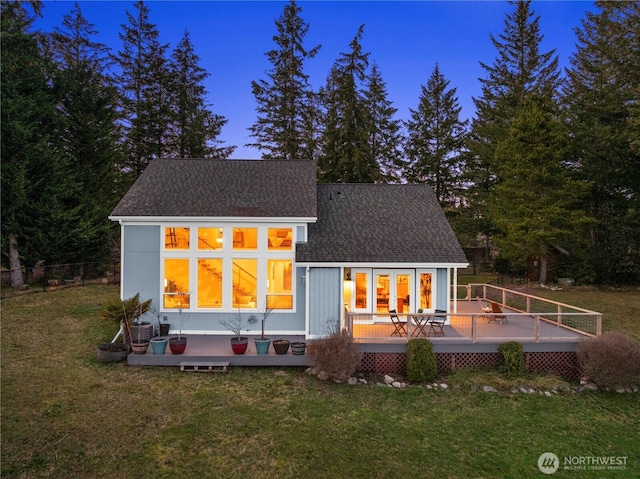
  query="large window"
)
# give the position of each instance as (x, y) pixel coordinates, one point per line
(228, 267)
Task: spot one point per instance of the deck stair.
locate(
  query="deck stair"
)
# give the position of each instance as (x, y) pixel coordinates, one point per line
(205, 366)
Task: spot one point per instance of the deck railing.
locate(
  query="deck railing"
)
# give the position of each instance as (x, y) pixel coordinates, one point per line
(528, 318)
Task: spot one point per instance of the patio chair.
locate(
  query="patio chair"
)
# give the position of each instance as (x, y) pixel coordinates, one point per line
(436, 323)
(497, 316)
(400, 326)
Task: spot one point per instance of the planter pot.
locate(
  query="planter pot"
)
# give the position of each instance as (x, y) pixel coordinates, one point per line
(178, 345)
(112, 352)
(298, 348)
(159, 346)
(164, 329)
(262, 346)
(239, 344)
(139, 347)
(281, 346)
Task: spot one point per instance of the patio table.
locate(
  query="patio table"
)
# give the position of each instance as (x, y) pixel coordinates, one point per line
(421, 322)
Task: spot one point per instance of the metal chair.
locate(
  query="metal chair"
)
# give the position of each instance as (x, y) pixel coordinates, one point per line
(436, 323)
(400, 326)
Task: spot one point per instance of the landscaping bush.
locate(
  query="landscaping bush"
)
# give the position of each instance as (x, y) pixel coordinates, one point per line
(335, 356)
(422, 365)
(611, 360)
(511, 360)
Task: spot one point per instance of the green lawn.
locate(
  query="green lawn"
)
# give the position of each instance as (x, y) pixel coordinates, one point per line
(64, 415)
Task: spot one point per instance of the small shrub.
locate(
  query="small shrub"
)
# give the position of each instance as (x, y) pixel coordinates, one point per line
(335, 356)
(422, 365)
(611, 360)
(511, 360)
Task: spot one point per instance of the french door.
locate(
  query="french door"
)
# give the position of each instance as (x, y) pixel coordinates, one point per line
(393, 290)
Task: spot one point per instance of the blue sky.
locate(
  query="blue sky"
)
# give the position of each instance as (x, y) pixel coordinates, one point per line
(405, 38)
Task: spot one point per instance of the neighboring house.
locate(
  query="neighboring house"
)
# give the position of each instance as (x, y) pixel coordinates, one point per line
(214, 237)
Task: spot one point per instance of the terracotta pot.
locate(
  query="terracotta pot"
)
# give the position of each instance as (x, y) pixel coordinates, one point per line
(178, 345)
(239, 344)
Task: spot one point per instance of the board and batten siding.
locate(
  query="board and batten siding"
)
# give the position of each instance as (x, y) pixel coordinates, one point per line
(325, 300)
(442, 289)
(141, 262)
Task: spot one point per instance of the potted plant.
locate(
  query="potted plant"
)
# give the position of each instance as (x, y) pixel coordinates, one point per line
(281, 346)
(235, 324)
(178, 344)
(125, 313)
(298, 347)
(262, 344)
(158, 343)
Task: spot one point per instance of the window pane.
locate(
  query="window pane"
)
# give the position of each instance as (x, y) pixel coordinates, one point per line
(176, 283)
(176, 238)
(209, 238)
(382, 293)
(209, 283)
(245, 283)
(362, 283)
(280, 239)
(425, 290)
(245, 238)
(279, 301)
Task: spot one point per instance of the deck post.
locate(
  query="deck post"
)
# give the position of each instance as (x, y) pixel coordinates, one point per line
(473, 328)
(598, 325)
(537, 327)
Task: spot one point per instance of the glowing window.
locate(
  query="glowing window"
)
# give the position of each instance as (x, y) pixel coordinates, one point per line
(209, 238)
(280, 239)
(279, 274)
(176, 238)
(245, 238)
(245, 283)
(209, 283)
(362, 283)
(425, 291)
(176, 283)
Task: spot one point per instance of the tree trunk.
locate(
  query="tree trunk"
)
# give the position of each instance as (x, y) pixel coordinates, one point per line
(17, 280)
(542, 278)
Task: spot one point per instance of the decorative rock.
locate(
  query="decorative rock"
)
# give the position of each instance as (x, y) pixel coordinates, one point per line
(363, 381)
(396, 384)
(388, 379)
(591, 387)
(514, 390)
(429, 386)
(531, 391)
(547, 393)
(444, 386)
(620, 390)
(323, 376)
(634, 388)
(352, 381)
(524, 390)
(489, 389)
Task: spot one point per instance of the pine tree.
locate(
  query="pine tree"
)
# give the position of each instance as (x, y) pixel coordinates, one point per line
(36, 217)
(144, 86)
(535, 205)
(88, 104)
(346, 151)
(194, 128)
(385, 137)
(519, 70)
(435, 139)
(603, 98)
(285, 128)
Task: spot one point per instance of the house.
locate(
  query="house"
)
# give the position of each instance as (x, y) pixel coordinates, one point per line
(214, 237)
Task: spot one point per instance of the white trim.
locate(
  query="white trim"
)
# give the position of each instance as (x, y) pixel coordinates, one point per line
(208, 219)
(382, 265)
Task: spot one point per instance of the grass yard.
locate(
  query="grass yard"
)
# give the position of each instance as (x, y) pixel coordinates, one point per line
(64, 415)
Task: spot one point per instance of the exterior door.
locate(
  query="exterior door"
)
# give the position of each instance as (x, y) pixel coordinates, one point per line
(392, 291)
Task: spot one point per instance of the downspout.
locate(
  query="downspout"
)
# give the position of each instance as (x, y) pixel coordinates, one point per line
(307, 322)
(121, 259)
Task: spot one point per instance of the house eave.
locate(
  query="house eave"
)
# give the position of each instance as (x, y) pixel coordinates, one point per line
(395, 265)
(146, 220)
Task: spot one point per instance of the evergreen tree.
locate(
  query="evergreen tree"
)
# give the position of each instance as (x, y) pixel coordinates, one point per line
(435, 140)
(385, 137)
(519, 70)
(285, 127)
(346, 151)
(36, 213)
(144, 86)
(535, 206)
(194, 128)
(603, 98)
(89, 133)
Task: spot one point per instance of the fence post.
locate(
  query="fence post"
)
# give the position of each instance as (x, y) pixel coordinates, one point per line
(473, 328)
(537, 328)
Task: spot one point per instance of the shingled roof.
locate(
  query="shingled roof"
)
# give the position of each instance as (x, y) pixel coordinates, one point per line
(379, 223)
(219, 188)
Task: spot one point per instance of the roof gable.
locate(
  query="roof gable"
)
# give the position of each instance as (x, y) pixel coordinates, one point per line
(222, 188)
(378, 223)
